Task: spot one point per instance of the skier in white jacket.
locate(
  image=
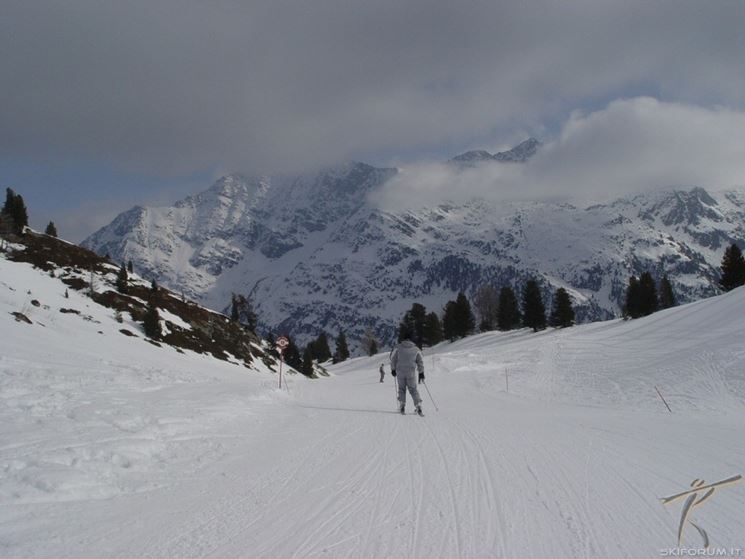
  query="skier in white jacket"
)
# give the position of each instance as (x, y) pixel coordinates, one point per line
(406, 361)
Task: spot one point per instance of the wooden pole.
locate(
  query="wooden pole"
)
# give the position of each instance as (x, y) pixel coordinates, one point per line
(663, 399)
(280, 370)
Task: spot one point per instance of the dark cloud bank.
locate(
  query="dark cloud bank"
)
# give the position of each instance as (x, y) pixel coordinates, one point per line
(167, 87)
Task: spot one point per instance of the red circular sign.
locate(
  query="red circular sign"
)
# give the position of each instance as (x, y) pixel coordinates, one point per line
(282, 343)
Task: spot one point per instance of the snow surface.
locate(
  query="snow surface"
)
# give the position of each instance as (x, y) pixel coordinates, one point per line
(112, 447)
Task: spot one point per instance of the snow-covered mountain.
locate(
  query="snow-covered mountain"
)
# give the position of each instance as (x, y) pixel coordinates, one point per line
(314, 254)
(519, 154)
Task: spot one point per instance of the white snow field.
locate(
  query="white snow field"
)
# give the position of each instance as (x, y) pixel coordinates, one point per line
(113, 448)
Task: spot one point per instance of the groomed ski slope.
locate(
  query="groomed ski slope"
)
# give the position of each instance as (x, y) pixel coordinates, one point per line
(111, 452)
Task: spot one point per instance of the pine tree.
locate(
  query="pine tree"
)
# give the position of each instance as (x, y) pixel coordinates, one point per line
(413, 323)
(405, 328)
(369, 342)
(432, 334)
(465, 315)
(458, 320)
(130, 267)
(242, 312)
(648, 294)
(271, 344)
(508, 315)
(633, 306)
(418, 315)
(151, 322)
(733, 268)
(8, 207)
(450, 321)
(321, 350)
(291, 355)
(562, 313)
(122, 280)
(486, 303)
(14, 211)
(51, 230)
(534, 312)
(307, 366)
(667, 297)
(342, 351)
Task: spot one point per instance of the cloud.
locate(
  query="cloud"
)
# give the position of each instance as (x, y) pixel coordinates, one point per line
(75, 225)
(173, 86)
(630, 146)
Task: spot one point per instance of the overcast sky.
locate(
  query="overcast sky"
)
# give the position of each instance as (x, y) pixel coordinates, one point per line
(107, 104)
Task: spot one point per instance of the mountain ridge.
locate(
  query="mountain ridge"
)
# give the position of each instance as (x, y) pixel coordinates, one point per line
(518, 154)
(314, 254)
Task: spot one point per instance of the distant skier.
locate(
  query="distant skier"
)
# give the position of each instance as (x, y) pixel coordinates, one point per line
(382, 371)
(406, 361)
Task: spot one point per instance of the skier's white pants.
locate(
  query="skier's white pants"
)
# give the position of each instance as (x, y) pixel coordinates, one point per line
(408, 380)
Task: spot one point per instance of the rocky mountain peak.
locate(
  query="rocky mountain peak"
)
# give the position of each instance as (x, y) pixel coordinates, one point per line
(519, 154)
(686, 208)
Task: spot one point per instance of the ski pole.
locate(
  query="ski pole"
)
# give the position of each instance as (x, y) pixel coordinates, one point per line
(395, 388)
(430, 396)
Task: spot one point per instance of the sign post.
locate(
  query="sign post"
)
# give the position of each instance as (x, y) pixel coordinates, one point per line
(282, 343)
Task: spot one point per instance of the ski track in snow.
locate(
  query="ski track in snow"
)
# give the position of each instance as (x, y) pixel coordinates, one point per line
(178, 456)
